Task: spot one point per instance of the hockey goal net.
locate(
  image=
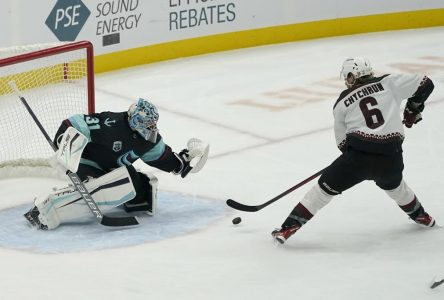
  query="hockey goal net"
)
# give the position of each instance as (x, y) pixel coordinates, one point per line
(57, 82)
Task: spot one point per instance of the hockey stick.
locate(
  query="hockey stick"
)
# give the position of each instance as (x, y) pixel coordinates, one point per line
(436, 283)
(252, 208)
(78, 184)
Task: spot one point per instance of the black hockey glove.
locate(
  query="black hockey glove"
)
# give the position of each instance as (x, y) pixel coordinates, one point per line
(184, 167)
(412, 113)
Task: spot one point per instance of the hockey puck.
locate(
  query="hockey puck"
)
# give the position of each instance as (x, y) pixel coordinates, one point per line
(236, 220)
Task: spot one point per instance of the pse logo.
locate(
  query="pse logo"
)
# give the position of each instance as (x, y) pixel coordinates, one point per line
(67, 19)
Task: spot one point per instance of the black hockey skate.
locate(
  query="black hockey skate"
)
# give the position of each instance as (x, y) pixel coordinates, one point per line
(281, 235)
(32, 216)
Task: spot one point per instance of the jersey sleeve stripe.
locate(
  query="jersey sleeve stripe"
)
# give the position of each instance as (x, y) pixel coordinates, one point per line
(155, 153)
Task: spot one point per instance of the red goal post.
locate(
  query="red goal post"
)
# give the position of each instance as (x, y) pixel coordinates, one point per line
(57, 81)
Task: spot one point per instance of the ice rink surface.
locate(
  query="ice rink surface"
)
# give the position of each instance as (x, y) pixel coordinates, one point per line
(267, 114)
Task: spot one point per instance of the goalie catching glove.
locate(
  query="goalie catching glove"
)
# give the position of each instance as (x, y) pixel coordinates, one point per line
(193, 158)
(412, 113)
(70, 148)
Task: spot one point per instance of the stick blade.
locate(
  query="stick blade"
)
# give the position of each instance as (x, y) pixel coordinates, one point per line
(436, 283)
(119, 221)
(239, 206)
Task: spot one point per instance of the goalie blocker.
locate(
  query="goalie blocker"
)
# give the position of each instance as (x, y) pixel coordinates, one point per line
(70, 148)
(116, 188)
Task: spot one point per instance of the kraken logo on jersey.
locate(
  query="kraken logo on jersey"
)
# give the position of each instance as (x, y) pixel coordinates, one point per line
(117, 146)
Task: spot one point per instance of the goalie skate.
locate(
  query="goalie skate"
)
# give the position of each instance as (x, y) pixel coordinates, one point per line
(32, 216)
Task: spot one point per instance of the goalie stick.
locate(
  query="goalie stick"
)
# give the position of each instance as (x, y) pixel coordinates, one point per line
(78, 184)
(253, 208)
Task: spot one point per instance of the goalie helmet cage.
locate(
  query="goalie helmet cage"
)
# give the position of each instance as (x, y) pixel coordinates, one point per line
(58, 82)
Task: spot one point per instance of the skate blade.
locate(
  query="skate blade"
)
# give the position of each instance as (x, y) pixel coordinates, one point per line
(277, 240)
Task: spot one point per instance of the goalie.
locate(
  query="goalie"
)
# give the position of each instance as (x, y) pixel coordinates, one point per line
(101, 149)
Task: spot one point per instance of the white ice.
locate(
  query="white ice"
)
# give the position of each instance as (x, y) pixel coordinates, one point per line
(267, 113)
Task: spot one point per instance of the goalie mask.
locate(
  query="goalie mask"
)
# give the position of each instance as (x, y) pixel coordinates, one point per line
(142, 118)
(355, 68)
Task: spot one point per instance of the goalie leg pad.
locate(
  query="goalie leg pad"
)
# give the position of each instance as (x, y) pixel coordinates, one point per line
(67, 205)
(152, 192)
(146, 188)
(48, 217)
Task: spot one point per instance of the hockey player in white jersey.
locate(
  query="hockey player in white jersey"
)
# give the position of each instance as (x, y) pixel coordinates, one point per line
(369, 132)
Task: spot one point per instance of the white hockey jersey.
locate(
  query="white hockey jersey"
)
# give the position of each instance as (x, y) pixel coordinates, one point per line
(369, 115)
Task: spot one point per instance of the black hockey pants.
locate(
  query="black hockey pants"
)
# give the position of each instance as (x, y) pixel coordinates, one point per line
(353, 167)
